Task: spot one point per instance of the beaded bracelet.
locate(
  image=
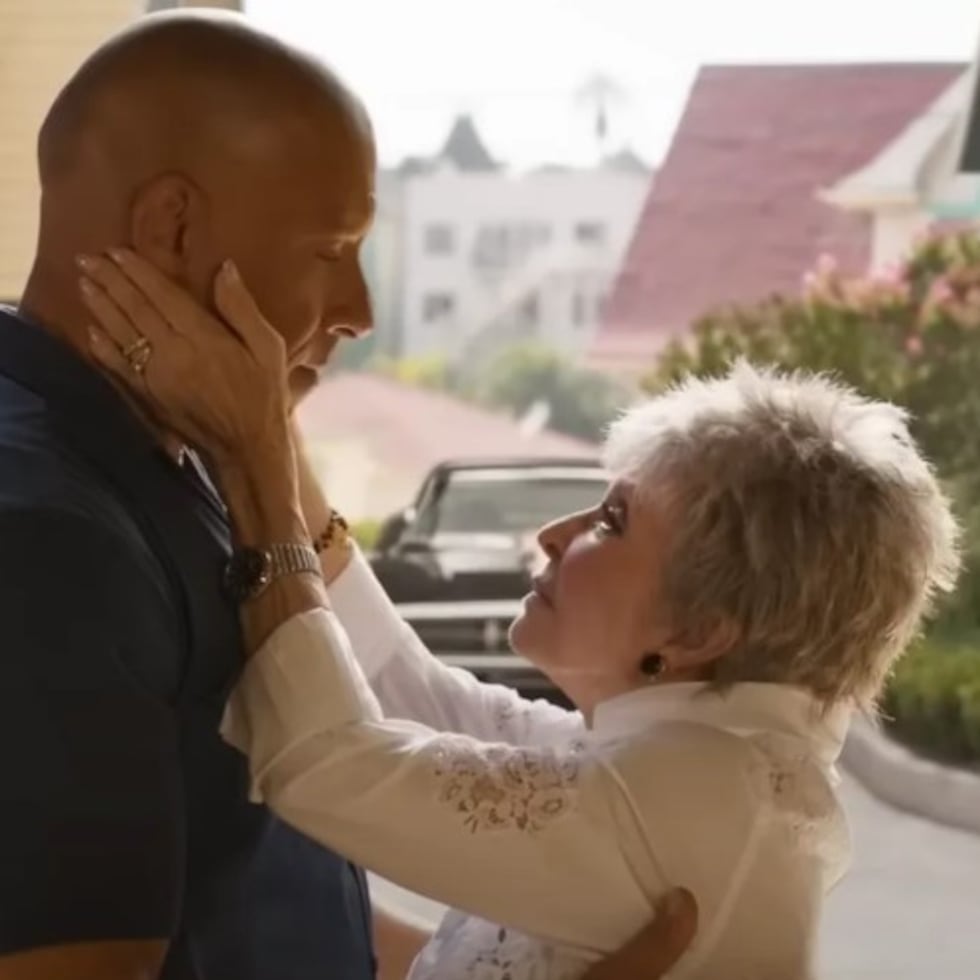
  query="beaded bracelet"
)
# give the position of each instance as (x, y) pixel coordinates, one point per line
(335, 533)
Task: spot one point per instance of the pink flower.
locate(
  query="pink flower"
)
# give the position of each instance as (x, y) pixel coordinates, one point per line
(892, 274)
(940, 292)
(913, 345)
(826, 265)
(811, 282)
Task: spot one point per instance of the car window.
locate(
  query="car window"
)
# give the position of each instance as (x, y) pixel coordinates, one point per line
(489, 505)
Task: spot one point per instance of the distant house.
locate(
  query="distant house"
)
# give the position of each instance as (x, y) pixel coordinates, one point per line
(928, 176)
(469, 257)
(740, 208)
(374, 439)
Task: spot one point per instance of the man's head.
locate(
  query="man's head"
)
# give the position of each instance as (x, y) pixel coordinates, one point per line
(194, 138)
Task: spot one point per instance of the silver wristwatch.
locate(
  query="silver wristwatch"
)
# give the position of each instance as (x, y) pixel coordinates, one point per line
(250, 571)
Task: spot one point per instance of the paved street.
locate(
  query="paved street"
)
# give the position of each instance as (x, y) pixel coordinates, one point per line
(910, 907)
(908, 910)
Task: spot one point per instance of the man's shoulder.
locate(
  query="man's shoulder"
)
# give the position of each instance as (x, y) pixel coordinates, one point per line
(50, 491)
(40, 469)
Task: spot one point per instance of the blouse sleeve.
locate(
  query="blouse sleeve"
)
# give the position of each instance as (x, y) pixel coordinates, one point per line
(413, 684)
(545, 840)
(559, 842)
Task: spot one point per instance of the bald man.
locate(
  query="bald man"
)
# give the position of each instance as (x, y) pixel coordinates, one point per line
(128, 846)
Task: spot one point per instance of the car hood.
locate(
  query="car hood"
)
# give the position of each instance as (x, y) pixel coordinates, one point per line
(456, 554)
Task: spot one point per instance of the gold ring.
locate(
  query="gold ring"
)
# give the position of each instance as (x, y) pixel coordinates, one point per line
(138, 354)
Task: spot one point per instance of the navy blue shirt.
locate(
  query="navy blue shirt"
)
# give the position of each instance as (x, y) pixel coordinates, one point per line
(123, 814)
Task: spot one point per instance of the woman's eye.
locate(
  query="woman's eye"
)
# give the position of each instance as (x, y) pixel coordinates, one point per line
(609, 520)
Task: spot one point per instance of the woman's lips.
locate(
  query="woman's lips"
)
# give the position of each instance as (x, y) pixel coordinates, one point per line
(541, 591)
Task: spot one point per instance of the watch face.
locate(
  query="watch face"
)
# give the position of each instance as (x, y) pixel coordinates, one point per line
(248, 571)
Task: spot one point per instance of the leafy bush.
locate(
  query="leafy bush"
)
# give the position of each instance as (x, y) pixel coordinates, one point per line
(932, 702)
(365, 533)
(581, 402)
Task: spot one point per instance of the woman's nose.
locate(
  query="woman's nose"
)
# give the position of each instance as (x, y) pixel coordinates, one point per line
(554, 538)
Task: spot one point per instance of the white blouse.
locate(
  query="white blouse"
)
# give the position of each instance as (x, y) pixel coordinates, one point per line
(550, 841)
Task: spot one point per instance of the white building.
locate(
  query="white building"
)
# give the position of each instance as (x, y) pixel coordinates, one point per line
(927, 177)
(487, 257)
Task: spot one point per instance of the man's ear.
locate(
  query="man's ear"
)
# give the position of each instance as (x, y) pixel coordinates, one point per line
(166, 213)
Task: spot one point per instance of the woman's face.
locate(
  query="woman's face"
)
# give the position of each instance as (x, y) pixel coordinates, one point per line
(593, 613)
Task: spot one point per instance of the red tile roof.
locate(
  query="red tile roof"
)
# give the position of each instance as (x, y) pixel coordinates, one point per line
(733, 214)
(412, 429)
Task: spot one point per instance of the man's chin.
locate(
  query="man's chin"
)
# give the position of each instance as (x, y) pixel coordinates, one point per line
(302, 380)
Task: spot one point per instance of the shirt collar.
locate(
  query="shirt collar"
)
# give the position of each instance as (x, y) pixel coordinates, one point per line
(86, 403)
(743, 709)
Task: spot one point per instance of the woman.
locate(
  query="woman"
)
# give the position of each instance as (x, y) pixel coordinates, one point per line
(767, 547)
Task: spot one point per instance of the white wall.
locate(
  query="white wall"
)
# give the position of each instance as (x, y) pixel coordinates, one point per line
(547, 204)
(894, 233)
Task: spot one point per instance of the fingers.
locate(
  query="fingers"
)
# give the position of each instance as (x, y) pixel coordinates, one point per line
(115, 324)
(106, 351)
(240, 311)
(656, 948)
(120, 307)
(672, 932)
(168, 301)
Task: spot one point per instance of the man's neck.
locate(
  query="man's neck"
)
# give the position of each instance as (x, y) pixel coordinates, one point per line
(51, 301)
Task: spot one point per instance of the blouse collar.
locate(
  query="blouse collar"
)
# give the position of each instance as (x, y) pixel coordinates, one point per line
(743, 709)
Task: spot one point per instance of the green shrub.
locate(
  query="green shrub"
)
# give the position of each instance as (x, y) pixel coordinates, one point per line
(365, 533)
(932, 701)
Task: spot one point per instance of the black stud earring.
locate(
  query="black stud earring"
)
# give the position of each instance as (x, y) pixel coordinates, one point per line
(652, 665)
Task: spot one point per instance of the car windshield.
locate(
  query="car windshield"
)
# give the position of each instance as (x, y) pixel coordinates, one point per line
(492, 502)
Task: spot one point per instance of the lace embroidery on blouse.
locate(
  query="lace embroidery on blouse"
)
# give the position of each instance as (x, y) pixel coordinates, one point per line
(497, 787)
(467, 948)
(791, 782)
(504, 716)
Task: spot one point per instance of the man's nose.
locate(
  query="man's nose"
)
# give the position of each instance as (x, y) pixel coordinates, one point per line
(362, 315)
(354, 316)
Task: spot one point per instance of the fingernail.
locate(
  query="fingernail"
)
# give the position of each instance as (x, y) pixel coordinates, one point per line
(84, 261)
(94, 337)
(230, 270)
(86, 285)
(117, 255)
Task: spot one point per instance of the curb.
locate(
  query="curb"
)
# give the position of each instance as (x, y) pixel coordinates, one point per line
(899, 777)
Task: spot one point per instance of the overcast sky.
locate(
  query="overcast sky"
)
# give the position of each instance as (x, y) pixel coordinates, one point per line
(516, 65)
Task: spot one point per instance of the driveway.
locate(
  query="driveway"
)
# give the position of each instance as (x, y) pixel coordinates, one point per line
(910, 907)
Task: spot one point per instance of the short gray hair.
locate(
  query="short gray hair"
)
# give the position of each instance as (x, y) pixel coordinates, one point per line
(805, 515)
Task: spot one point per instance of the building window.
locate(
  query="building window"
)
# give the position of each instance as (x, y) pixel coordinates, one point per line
(439, 239)
(438, 306)
(491, 252)
(540, 234)
(590, 232)
(531, 310)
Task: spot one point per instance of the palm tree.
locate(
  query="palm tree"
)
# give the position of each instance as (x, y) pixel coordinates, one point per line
(599, 94)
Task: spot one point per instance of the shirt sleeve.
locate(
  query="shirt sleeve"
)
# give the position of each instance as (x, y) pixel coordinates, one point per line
(412, 684)
(545, 840)
(91, 827)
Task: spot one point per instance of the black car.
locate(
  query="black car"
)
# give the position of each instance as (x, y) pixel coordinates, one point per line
(458, 561)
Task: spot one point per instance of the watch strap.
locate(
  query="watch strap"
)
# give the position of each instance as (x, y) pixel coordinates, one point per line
(251, 571)
(293, 559)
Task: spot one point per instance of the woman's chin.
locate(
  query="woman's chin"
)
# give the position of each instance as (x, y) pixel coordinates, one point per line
(528, 636)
